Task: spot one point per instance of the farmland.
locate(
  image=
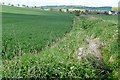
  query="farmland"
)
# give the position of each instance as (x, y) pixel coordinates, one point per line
(59, 60)
(27, 30)
(112, 18)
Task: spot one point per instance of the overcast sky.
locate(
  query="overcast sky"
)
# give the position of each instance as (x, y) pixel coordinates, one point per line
(113, 3)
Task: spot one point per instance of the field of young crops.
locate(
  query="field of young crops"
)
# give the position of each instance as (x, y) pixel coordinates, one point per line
(29, 31)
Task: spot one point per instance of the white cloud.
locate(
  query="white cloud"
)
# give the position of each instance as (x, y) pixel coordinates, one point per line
(64, 2)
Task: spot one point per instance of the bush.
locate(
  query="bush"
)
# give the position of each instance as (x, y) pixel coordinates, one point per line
(77, 13)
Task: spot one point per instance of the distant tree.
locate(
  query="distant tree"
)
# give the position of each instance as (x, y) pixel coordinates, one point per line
(60, 10)
(3, 3)
(77, 13)
(35, 7)
(12, 5)
(23, 5)
(86, 10)
(18, 5)
(42, 8)
(9, 4)
(27, 6)
(67, 10)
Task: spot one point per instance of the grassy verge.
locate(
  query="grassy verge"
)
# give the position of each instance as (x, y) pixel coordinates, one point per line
(59, 60)
(111, 18)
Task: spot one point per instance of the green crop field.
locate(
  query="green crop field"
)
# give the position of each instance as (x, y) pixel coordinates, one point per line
(30, 30)
(50, 42)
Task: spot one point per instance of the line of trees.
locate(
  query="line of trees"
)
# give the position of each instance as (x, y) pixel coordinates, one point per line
(18, 5)
(9, 4)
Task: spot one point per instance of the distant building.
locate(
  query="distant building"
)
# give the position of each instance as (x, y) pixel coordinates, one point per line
(110, 12)
(117, 12)
(102, 12)
(114, 12)
(64, 10)
(72, 10)
(46, 9)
